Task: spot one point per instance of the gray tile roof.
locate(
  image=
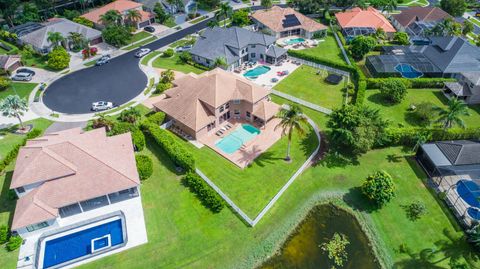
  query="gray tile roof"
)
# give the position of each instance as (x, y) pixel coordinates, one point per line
(226, 42)
(453, 54)
(275, 51)
(460, 152)
(473, 77)
(39, 37)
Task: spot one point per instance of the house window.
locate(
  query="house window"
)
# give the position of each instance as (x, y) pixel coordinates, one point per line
(236, 112)
(236, 102)
(208, 61)
(21, 189)
(70, 210)
(94, 203)
(227, 105)
(248, 114)
(123, 195)
(252, 55)
(37, 226)
(222, 108)
(252, 46)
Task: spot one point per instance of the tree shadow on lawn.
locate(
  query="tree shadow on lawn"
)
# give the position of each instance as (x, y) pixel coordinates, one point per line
(357, 200)
(7, 203)
(378, 99)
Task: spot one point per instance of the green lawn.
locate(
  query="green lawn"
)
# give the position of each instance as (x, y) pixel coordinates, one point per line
(39, 61)
(170, 22)
(139, 36)
(149, 56)
(141, 43)
(20, 88)
(327, 49)
(475, 21)
(399, 114)
(305, 84)
(174, 63)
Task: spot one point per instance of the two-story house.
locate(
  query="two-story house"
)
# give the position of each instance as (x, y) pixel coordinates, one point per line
(78, 198)
(467, 88)
(197, 104)
(235, 45)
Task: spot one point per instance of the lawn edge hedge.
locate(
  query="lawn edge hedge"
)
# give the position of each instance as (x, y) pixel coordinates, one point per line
(209, 197)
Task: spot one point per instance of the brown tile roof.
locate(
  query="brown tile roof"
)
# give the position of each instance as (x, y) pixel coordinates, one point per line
(273, 19)
(426, 14)
(71, 166)
(121, 6)
(266, 110)
(8, 60)
(193, 99)
(358, 17)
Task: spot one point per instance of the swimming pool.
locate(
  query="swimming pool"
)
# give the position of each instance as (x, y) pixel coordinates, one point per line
(257, 71)
(408, 71)
(73, 246)
(293, 41)
(232, 142)
(469, 191)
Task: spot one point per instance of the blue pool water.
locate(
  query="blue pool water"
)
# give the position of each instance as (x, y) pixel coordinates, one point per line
(408, 71)
(294, 41)
(257, 71)
(469, 191)
(474, 213)
(235, 140)
(78, 244)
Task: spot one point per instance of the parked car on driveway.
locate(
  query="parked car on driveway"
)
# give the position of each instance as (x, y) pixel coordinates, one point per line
(149, 29)
(142, 52)
(22, 77)
(101, 105)
(183, 48)
(26, 70)
(103, 60)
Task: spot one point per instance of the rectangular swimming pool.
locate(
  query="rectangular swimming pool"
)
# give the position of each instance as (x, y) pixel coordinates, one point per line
(84, 242)
(293, 41)
(235, 140)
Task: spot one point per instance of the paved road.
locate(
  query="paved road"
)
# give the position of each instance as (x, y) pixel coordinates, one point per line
(118, 81)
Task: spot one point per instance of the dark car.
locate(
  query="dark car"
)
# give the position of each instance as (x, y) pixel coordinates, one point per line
(26, 70)
(149, 29)
(103, 60)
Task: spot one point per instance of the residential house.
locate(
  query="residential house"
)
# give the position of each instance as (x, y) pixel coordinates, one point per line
(122, 6)
(282, 22)
(38, 37)
(78, 191)
(197, 104)
(467, 88)
(236, 45)
(443, 57)
(357, 21)
(417, 21)
(8, 63)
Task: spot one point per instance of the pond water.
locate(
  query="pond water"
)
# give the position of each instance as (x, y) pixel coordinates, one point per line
(302, 250)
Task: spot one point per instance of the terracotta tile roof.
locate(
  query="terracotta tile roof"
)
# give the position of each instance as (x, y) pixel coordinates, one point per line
(266, 110)
(193, 99)
(273, 19)
(71, 166)
(358, 17)
(120, 5)
(426, 14)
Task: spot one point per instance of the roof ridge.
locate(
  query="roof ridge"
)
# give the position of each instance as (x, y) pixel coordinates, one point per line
(59, 158)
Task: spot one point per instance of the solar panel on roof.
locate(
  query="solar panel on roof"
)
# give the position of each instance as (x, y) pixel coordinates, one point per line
(290, 21)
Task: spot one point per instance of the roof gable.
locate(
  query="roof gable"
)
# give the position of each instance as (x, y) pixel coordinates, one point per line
(358, 17)
(461, 152)
(426, 14)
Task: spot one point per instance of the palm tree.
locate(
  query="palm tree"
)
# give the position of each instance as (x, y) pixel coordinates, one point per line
(77, 39)
(55, 38)
(389, 5)
(451, 115)
(133, 16)
(225, 12)
(167, 76)
(291, 119)
(220, 62)
(111, 17)
(213, 23)
(14, 106)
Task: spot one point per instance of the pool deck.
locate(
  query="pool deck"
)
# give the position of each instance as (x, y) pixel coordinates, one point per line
(265, 80)
(251, 149)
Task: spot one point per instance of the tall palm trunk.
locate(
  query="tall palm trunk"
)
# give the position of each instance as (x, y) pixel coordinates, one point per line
(289, 144)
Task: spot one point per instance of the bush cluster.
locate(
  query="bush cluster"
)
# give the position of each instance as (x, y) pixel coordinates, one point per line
(58, 58)
(379, 188)
(204, 192)
(416, 83)
(144, 166)
(138, 139)
(14, 243)
(407, 136)
(393, 90)
(168, 53)
(34, 133)
(157, 117)
(176, 151)
(4, 83)
(161, 87)
(3, 234)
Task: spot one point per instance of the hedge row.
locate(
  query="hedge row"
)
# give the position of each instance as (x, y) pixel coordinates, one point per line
(407, 136)
(204, 192)
(416, 83)
(144, 166)
(166, 140)
(157, 117)
(12, 154)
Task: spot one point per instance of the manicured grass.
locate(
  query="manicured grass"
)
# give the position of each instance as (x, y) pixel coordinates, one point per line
(174, 63)
(39, 61)
(90, 63)
(139, 44)
(399, 114)
(170, 23)
(197, 20)
(327, 49)
(475, 21)
(139, 36)
(149, 56)
(182, 42)
(305, 84)
(20, 88)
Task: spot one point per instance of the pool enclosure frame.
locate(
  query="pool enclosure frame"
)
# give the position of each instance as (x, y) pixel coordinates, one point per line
(77, 227)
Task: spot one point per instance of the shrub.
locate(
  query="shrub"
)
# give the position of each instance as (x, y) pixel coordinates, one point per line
(116, 35)
(185, 57)
(176, 151)
(58, 58)
(121, 128)
(204, 192)
(3, 234)
(408, 136)
(34, 133)
(434, 83)
(130, 115)
(4, 83)
(393, 90)
(102, 121)
(379, 188)
(361, 45)
(424, 113)
(167, 76)
(144, 166)
(138, 139)
(14, 243)
(401, 38)
(83, 21)
(161, 87)
(168, 53)
(415, 210)
(157, 118)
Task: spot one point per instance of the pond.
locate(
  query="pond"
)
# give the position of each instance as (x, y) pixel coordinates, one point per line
(301, 250)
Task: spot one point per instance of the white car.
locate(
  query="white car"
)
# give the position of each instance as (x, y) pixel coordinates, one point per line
(22, 76)
(183, 48)
(142, 52)
(101, 105)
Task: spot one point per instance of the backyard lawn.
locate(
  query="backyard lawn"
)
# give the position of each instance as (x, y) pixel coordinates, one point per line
(174, 63)
(20, 88)
(304, 83)
(399, 114)
(327, 49)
